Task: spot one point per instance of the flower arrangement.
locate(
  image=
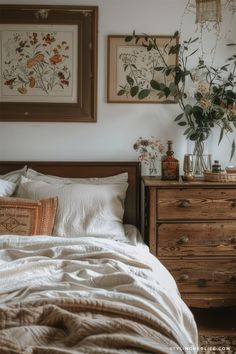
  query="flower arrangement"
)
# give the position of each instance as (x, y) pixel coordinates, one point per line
(212, 104)
(149, 150)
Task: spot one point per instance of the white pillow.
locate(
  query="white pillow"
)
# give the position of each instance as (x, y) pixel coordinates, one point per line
(37, 176)
(83, 209)
(7, 188)
(14, 176)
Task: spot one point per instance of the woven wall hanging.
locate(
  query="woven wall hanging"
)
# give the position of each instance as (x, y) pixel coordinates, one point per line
(208, 10)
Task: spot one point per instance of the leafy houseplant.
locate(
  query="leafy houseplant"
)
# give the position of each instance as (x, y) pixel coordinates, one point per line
(213, 102)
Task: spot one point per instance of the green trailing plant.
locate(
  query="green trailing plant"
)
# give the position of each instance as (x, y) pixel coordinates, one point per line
(205, 94)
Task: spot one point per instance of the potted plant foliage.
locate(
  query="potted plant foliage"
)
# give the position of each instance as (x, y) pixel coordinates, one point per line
(205, 94)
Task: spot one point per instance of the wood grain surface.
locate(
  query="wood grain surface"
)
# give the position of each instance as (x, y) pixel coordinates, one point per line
(191, 228)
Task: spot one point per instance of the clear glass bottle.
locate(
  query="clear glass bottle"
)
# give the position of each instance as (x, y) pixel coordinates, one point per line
(169, 164)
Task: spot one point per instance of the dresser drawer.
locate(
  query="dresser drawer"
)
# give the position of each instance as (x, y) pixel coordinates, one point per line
(196, 239)
(191, 228)
(196, 204)
(204, 275)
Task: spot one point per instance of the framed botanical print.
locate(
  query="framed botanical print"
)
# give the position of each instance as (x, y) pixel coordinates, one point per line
(48, 63)
(131, 67)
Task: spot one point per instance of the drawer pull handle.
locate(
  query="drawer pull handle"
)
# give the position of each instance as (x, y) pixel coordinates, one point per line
(233, 240)
(183, 240)
(184, 277)
(233, 277)
(202, 283)
(184, 204)
(233, 204)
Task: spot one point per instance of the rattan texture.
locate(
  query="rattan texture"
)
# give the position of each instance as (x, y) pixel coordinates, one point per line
(222, 177)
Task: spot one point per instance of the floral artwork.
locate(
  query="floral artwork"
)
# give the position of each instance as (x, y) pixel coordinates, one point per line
(38, 64)
(149, 151)
(136, 70)
(132, 67)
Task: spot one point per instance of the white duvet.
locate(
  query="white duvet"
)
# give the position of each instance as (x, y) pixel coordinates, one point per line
(54, 270)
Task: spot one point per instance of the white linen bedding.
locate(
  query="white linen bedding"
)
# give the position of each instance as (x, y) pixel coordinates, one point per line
(89, 295)
(83, 209)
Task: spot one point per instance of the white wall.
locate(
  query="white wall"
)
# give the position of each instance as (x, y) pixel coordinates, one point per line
(118, 125)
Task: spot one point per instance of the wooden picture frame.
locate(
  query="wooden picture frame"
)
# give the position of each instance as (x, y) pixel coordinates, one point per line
(48, 63)
(133, 60)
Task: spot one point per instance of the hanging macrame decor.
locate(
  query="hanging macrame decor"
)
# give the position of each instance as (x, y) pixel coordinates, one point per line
(208, 10)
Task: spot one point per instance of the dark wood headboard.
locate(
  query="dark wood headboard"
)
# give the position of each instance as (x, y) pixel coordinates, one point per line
(91, 169)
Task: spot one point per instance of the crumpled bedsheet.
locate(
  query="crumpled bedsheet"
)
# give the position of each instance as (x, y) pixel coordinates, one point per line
(88, 295)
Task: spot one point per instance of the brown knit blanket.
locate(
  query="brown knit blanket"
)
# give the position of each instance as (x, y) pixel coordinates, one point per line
(85, 298)
(81, 326)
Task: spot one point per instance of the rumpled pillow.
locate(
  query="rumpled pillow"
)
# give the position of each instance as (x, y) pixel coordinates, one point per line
(37, 176)
(83, 209)
(27, 217)
(14, 176)
(7, 188)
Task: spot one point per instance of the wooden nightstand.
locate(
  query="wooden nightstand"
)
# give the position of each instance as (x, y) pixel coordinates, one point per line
(191, 228)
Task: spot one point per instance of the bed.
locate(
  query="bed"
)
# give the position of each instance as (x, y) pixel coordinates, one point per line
(92, 286)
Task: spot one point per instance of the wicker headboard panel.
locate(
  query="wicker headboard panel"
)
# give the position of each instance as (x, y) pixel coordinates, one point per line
(91, 169)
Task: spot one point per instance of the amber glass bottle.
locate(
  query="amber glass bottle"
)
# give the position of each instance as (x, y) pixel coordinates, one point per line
(169, 165)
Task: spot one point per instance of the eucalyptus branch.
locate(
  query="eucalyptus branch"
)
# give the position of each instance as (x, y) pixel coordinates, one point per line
(160, 53)
(214, 104)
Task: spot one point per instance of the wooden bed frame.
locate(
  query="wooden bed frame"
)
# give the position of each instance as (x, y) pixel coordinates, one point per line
(91, 169)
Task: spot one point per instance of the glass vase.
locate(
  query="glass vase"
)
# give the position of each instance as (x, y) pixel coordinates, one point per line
(152, 167)
(201, 157)
(201, 163)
